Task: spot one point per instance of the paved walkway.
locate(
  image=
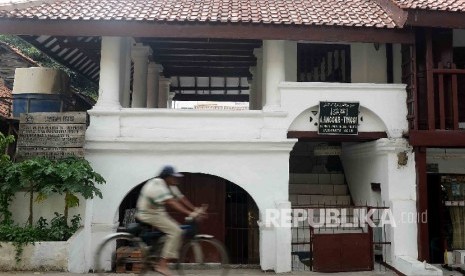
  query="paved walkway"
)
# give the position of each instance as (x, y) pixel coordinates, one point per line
(233, 273)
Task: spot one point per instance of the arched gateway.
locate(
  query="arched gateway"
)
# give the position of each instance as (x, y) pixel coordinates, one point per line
(232, 213)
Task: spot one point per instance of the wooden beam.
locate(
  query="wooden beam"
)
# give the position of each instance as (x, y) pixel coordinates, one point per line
(189, 63)
(94, 57)
(436, 19)
(422, 204)
(183, 45)
(212, 97)
(455, 101)
(396, 13)
(449, 71)
(203, 52)
(207, 88)
(198, 40)
(437, 138)
(204, 58)
(206, 71)
(205, 30)
(441, 96)
(430, 79)
(314, 136)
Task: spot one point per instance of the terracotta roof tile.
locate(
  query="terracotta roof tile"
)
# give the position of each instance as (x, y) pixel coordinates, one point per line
(439, 5)
(5, 100)
(300, 12)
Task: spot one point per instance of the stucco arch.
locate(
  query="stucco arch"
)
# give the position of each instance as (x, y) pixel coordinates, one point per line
(369, 121)
(258, 167)
(135, 188)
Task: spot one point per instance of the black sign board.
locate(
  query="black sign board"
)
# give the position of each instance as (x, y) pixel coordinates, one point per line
(338, 118)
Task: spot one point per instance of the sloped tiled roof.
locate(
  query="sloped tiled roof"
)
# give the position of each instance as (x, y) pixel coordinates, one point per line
(438, 5)
(299, 12)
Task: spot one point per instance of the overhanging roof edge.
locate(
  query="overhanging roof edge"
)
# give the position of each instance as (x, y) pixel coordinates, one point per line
(205, 30)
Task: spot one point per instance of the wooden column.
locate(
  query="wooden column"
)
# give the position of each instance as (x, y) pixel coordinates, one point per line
(430, 79)
(455, 100)
(422, 204)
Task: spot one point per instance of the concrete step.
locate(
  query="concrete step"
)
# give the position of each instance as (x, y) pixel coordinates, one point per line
(317, 178)
(320, 200)
(318, 189)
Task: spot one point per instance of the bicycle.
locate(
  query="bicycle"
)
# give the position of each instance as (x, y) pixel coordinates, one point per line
(147, 243)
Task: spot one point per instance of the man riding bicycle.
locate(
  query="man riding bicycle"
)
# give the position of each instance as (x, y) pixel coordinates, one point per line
(156, 194)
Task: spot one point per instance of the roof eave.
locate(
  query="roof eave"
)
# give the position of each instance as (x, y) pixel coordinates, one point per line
(204, 30)
(436, 19)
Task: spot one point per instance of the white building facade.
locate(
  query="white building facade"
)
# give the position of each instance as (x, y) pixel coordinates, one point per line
(250, 148)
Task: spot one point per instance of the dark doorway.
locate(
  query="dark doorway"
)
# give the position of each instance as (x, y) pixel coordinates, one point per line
(436, 215)
(446, 214)
(232, 213)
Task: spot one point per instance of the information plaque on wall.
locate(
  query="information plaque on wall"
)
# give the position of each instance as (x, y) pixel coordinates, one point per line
(338, 118)
(51, 135)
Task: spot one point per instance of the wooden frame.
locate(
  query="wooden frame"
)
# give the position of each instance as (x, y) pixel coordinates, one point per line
(205, 30)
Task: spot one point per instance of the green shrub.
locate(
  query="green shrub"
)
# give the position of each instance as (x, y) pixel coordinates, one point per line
(57, 230)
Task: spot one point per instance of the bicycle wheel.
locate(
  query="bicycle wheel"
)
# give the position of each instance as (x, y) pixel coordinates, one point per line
(120, 252)
(206, 254)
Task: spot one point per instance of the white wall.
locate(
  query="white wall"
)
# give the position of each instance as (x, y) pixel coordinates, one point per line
(55, 203)
(361, 169)
(382, 105)
(378, 162)
(368, 65)
(231, 145)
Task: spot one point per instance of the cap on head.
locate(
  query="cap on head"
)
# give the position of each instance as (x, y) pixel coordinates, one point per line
(169, 171)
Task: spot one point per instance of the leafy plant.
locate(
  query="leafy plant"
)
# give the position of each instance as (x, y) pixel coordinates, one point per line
(71, 177)
(21, 236)
(32, 175)
(6, 191)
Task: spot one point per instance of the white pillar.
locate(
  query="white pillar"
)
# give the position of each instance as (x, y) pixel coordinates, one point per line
(164, 91)
(170, 99)
(111, 63)
(291, 60)
(125, 95)
(153, 75)
(139, 55)
(258, 79)
(274, 69)
(283, 236)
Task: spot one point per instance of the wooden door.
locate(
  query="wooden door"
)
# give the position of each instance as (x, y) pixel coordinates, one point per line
(206, 189)
(342, 252)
